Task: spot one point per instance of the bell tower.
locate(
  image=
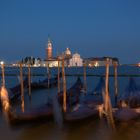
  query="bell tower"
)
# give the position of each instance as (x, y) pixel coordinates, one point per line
(49, 49)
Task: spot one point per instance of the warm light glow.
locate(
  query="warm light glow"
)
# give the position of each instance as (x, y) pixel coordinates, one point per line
(2, 62)
(96, 64)
(89, 65)
(4, 98)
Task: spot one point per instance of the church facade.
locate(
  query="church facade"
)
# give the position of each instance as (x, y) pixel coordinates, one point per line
(76, 60)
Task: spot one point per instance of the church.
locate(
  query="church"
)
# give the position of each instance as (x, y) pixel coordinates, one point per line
(70, 60)
(76, 60)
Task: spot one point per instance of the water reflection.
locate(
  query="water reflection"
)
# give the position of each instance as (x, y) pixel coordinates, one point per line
(57, 111)
(89, 130)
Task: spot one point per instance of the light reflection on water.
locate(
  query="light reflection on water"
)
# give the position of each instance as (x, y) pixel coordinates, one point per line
(86, 130)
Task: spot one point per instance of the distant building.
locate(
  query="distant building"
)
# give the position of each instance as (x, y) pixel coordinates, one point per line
(49, 50)
(37, 62)
(100, 61)
(76, 60)
(68, 53)
(67, 56)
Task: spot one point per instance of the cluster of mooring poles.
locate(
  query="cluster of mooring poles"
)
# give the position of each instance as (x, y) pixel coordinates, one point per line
(107, 100)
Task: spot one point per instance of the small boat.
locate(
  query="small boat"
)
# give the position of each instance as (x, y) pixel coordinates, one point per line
(72, 93)
(126, 114)
(129, 103)
(44, 112)
(80, 112)
(132, 94)
(46, 83)
(15, 92)
(96, 96)
(88, 107)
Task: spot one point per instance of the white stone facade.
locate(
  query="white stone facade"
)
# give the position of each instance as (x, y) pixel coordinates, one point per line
(76, 60)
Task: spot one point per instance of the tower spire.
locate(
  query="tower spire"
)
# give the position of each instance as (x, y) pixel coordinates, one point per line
(49, 39)
(49, 49)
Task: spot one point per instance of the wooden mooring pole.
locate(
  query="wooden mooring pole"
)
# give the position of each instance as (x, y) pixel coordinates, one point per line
(108, 106)
(107, 86)
(64, 86)
(115, 82)
(29, 80)
(85, 83)
(58, 78)
(3, 74)
(48, 70)
(22, 88)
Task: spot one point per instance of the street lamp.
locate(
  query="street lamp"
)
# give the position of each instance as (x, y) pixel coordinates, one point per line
(1, 62)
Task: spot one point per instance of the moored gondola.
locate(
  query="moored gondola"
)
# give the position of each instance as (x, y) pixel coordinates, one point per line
(13, 117)
(128, 107)
(14, 93)
(88, 106)
(46, 83)
(73, 93)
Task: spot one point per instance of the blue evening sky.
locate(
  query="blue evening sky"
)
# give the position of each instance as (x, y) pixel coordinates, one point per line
(93, 28)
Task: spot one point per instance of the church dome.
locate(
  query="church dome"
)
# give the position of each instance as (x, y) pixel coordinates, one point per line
(76, 55)
(68, 52)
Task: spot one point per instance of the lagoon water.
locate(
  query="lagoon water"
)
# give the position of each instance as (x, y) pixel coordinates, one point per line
(57, 130)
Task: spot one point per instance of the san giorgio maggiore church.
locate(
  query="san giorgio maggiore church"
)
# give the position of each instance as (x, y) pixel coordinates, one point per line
(71, 60)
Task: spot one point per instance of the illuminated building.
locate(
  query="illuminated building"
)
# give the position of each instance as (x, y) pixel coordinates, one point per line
(49, 49)
(100, 61)
(76, 60)
(67, 53)
(67, 56)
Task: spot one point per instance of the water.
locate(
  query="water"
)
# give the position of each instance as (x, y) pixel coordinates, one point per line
(93, 129)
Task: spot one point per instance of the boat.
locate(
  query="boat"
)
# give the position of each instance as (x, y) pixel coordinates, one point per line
(46, 83)
(13, 117)
(80, 112)
(88, 106)
(44, 112)
(96, 96)
(15, 92)
(128, 107)
(72, 94)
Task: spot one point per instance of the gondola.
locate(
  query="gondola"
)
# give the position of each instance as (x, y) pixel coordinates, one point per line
(46, 83)
(13, 117)
(44, 112)
(88, 107)
(128, 107)
(15, 92)
(96, 96)
(80, 112)
(72, 93)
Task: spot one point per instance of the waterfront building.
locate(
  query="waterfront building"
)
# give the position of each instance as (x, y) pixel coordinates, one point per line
(49, 50)
(37, 62)
(76, 60)
(100, 61)
(67, 53)
(67, 56)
